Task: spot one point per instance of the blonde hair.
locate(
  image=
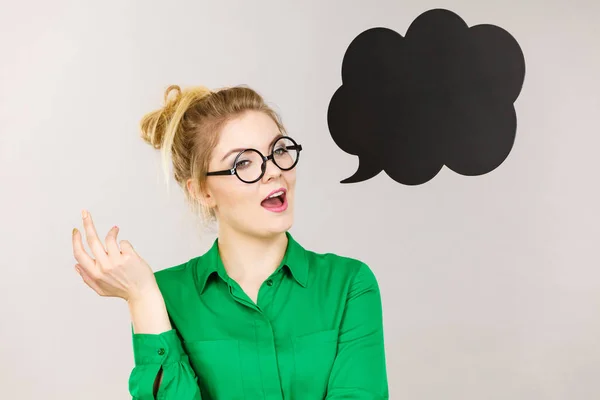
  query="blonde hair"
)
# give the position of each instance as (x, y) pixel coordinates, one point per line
(187, 129)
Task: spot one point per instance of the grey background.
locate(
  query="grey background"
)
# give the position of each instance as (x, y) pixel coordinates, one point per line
(490, 284)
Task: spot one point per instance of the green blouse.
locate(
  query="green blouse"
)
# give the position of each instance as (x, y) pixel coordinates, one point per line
(316, 333)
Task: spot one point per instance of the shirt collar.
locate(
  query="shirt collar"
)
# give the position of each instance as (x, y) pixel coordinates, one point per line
(210, 263)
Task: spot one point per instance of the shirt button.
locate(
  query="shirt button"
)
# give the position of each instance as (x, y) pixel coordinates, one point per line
(161, 351)
(270, 282)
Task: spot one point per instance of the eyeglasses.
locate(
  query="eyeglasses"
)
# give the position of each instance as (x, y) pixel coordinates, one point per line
(250, 165)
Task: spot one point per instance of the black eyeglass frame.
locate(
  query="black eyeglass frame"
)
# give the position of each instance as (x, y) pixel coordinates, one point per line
(263, 167)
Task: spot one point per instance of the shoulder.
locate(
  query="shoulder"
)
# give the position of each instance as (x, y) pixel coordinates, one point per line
(341, 268)
(176, 277)
(334, 261)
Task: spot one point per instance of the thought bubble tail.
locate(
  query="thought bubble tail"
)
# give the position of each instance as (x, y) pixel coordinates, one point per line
(367, 169)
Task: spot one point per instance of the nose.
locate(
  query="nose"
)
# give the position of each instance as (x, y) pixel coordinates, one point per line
(271, 171)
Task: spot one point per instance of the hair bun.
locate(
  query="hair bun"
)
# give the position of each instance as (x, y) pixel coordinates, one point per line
(168, 91)
(154, 124)
(158, 127)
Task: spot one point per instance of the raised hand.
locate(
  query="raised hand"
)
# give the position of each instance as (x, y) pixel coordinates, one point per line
(115, 272)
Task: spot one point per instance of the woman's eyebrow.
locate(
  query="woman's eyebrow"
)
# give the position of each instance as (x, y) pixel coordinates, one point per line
(237, 150)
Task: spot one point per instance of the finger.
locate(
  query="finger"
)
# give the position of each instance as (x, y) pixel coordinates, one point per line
(92, 238)
(82, 257)
(111, 243)
(88, 280)
(126, 247)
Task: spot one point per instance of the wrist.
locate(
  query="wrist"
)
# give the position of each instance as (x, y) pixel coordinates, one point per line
(148, 312)
(149, 293)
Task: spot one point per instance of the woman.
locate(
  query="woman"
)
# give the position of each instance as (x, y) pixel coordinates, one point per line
(257, 316)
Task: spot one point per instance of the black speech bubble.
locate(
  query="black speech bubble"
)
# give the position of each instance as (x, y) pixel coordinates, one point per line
(441, 95)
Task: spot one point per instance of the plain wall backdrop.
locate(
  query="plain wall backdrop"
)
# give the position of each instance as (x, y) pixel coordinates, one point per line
(490, 284)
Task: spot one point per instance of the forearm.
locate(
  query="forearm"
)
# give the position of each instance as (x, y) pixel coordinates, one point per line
(149, 313)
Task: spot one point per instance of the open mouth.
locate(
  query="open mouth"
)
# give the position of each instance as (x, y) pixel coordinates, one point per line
(275, 201)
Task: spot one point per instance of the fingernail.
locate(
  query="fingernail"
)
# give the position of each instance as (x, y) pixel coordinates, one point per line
(115, 227)
(74, 231)
(84, 214)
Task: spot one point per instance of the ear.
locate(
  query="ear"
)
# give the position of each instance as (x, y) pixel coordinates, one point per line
(204, 196)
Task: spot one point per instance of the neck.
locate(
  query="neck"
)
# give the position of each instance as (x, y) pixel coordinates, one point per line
(248, 258)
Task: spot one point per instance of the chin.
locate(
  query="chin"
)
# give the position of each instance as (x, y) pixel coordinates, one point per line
(282, 226)
(278, 226)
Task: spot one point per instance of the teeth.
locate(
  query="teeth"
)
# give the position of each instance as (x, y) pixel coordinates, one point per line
(275, 194)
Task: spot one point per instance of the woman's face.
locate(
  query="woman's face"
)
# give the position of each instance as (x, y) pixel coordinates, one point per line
(239, 205)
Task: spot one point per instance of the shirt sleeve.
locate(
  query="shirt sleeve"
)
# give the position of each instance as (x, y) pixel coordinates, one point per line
(155, 351)
(359, 369)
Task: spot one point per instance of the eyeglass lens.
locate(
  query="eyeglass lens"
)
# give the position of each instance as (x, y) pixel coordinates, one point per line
(249, 163)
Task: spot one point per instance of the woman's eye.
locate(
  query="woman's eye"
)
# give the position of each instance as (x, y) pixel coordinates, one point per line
(243, 164)
(280, 151)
